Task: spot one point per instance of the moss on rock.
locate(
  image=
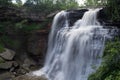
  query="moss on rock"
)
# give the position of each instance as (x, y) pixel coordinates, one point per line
(1, 48)
(2, 60)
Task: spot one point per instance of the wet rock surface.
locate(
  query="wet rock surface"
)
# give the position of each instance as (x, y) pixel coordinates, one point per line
(7, 54)
(74, 15)
(37, 42)
(6, 76)
(6, 65)
(37, 46)
(10, 67)
(7, 59)
(30, 77)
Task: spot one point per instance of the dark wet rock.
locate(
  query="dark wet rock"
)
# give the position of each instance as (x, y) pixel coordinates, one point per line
(28, 63)
(15, 64)
(37, 42)
(7, 54)
(75, 15)
(6, 76)
(9, 13)
(21, 71)
(12, 69)
(6, 65)
(102, 16)
(51, 15)
(37, 46)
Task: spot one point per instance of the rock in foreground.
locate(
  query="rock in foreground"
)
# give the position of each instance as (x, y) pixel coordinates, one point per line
(7, 54)
(28, 77)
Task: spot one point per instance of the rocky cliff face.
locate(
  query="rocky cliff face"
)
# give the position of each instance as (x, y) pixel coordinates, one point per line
(37, 45)
(74, 15)
(11, 13)
(102, 17)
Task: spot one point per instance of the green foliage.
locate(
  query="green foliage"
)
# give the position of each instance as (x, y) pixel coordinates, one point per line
(95, 2)
(5, 2)
(26, 27)
(110, 67)
(113, 9)
(2, 29)
(22, 26)
(9, 42)
(1, 48)
(48, 6)
(17, 29)
(19, 25)
(115, 76)
(31, 27)
(19, 3)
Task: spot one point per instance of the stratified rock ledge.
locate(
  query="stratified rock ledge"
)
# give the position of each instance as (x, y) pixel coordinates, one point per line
(29, 77)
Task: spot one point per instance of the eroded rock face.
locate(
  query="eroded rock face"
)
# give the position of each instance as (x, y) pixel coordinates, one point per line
(8, 64)
(37, 42)
(37, 45)
(7, 60)
(6, 76)
(75, 15)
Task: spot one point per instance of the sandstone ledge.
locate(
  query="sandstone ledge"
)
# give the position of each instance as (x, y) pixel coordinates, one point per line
(28, 77)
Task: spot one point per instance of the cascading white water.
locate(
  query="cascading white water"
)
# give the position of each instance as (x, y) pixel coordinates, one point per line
(74, 52)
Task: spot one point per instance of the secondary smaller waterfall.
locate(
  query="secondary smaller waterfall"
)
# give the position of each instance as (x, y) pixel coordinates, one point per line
(74, 52)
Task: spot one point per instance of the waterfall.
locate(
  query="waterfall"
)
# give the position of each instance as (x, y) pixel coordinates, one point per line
(74, 52)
